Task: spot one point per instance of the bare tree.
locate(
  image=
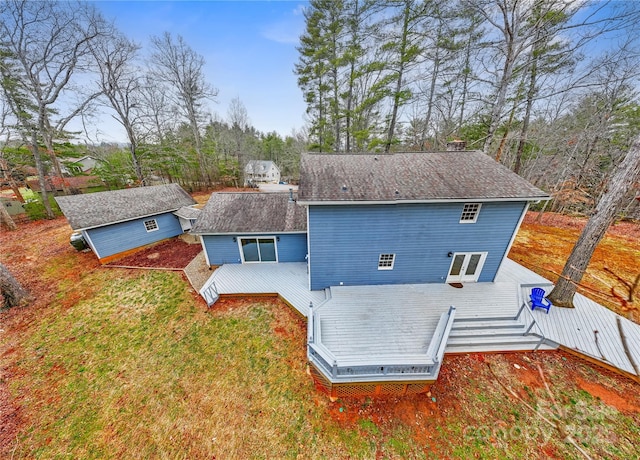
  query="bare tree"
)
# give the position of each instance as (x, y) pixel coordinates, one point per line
(119, 83)
(48, 42)
(239, 123)
(6, 130)
(620, 184)
(182, 70)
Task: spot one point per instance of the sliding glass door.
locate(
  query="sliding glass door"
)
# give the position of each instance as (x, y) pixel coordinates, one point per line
(258, 249)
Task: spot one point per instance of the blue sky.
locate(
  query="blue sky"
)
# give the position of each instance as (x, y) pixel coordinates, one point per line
(249, 48)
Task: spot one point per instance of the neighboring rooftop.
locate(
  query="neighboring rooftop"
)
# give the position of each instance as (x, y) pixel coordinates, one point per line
(425, 176)
(259, 166)
(102, 208)
(249, 213)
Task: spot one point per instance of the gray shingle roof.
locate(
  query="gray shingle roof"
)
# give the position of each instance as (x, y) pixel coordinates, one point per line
(102, 208)
(250, 213)
(187, 212)
(409, 177)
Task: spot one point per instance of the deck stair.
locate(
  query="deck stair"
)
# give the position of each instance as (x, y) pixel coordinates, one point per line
(494, 334)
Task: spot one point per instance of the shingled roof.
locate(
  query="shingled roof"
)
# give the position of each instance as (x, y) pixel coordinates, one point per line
(103, 208)
(428, 176)
(250, 213)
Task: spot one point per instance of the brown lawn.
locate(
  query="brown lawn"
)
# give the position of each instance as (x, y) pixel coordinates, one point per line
(519, 405)
(543, 245)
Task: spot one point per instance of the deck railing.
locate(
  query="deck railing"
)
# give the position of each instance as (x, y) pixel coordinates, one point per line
(395, 367)
(210, 293)
(531, 323)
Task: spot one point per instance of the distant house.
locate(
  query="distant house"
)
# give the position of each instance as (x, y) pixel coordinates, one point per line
(77, 184)
(80, 165)
(441, 217)
(252, 228)
(12, 205)
(118, 222)
(260, 172)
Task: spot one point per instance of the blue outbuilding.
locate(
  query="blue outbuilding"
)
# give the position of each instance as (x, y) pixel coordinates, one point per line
(117, 222)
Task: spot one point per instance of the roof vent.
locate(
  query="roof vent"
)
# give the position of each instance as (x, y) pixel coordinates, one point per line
(397, 192)
(291, 195)
(344, 187)
(375, 157)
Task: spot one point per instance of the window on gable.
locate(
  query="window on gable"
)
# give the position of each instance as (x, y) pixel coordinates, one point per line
(385, 262)
(470, 213)
(151, 225)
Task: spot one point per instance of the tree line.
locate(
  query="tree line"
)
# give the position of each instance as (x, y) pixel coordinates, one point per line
(63, 61)
(549, 88)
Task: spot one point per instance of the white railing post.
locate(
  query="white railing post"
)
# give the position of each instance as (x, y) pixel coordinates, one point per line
(310, 323)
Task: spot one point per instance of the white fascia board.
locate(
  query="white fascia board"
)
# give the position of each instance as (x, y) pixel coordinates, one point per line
(300, 232)
(440, 200)
(90, 243)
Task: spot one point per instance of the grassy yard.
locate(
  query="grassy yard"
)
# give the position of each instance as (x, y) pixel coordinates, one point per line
(114, 363)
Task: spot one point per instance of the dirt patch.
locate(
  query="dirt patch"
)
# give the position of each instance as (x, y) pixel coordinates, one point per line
(544, 246)
(609, 397)
(172, 253)
(626, 229)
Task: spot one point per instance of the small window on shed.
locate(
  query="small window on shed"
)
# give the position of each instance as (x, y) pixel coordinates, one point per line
(151, 225)
(385, 262)
(470, 213)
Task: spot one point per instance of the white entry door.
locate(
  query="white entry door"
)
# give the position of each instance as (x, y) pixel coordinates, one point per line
(466, 267)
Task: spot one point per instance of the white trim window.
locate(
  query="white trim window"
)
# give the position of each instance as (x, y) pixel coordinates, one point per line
(258, 249)
(151, 225)
(470, 213)
(386, 261)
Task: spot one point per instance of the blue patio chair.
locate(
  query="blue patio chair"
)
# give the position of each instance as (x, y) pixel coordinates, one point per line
(538, 300)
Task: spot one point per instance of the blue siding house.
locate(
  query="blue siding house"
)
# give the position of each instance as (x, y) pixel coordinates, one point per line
(403, 218)
(252, 228)
(117, 222)
(410, 217)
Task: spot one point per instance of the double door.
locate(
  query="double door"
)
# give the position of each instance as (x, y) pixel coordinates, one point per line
(466, 267)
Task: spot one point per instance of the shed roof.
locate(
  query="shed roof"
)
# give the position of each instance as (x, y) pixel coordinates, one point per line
(104, 208)
(426, 176)
(187, 212)
(251, 213)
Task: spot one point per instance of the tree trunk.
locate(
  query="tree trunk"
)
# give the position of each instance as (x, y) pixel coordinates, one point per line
(40, 167)
(623, 179)
(5, 218)
(10, 289)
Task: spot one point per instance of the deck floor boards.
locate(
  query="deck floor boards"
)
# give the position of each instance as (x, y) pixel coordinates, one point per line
(389, 319)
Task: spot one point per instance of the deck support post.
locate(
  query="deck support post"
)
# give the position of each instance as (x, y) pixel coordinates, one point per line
(310, 324)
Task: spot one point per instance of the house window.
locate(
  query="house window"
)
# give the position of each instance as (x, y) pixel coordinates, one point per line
(470, 213)
(151, 225)
(258, 249)
(385, 262)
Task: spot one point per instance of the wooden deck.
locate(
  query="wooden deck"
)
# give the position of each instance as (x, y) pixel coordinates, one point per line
(288, 280)
(358, 324)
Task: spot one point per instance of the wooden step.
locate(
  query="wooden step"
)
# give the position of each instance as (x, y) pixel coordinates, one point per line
(459, 325)
(504, 343)
(502, 332)
(496, 348)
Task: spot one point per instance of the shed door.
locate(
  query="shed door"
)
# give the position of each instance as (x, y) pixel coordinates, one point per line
(466, 267)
